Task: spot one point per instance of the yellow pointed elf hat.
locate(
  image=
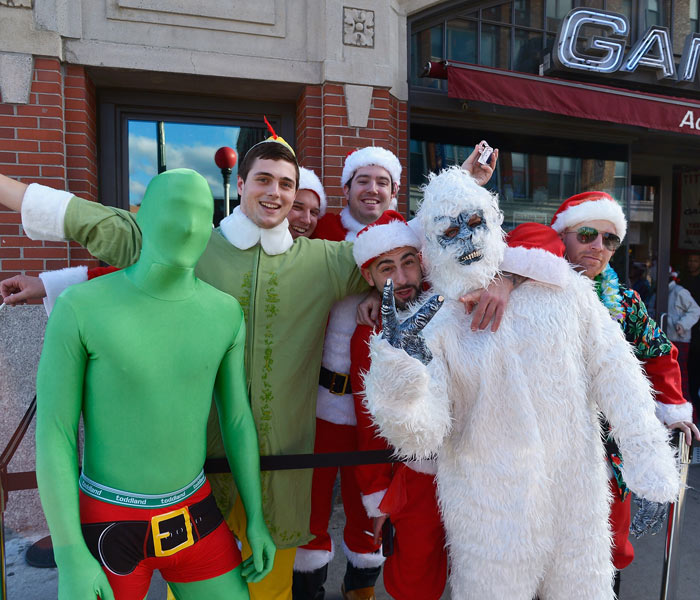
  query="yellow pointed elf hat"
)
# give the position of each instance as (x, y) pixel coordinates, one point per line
(276, 138)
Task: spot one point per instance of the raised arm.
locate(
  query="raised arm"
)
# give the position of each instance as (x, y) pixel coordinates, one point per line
(59, 402)
(11, 193)
(241, 444)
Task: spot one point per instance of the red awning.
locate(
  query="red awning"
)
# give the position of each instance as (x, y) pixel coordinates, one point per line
(571, 98)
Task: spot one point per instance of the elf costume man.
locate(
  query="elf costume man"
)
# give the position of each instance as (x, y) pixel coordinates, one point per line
(370, 182)
(285, 289)
(496, 408)
(138, 354)
(406, 492)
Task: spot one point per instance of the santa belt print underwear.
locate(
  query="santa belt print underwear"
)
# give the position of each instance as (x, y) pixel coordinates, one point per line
(121, 545)
(121, 498)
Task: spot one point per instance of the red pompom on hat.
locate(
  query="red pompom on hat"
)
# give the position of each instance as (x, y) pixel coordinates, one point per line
(590, 206)
(388, 232)
(536, 251)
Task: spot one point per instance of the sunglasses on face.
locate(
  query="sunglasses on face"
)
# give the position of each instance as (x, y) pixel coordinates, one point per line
(588, 235)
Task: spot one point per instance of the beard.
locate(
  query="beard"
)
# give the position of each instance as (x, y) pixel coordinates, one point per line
(403, 304)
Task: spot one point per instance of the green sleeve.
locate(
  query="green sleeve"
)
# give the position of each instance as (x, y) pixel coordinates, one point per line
(343, 271)
(110, 234)
(59, 403)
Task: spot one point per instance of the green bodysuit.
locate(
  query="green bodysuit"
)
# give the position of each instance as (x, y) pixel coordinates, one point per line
(286, 299)
(139, 353)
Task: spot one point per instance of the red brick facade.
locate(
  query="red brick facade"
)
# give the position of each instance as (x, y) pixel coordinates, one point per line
(52, 140)
(324, 137)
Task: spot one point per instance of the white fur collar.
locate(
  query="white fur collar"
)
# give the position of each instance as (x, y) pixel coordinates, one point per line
(351, 224)
(240, 231)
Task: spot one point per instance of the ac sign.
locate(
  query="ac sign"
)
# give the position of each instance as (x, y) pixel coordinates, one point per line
(606, 53)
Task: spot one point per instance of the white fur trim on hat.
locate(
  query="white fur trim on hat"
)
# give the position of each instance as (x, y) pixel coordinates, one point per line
(371, 155)
(593, 210)
(379, 239)
(43, 212)
(308, 180)
(537, 264)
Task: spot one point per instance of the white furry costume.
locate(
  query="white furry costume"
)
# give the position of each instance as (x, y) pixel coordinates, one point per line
(513, 417)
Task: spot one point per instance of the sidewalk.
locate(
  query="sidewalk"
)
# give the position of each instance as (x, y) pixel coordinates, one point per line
(640, 581)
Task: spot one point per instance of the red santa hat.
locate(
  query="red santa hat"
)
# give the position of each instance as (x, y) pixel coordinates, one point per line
(387, 233)
(371, 155)
(536, 251)
(590, 206)
(308, 180)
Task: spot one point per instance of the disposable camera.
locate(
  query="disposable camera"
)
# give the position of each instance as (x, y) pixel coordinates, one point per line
(485, 155)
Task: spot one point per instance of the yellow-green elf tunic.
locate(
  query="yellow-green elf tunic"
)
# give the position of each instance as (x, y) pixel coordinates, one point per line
(286, 299)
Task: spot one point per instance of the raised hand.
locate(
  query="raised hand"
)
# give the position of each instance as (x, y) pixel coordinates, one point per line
(407, 335)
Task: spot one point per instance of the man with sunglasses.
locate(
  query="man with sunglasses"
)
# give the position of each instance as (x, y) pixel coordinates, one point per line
(592, 227)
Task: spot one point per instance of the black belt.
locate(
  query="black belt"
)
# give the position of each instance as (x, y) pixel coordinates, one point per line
(119, 545)
(335, 383)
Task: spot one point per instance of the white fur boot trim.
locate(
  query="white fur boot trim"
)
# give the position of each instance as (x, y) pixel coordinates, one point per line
(57, 281)
(371, 503)
(672, 413)
(43, 212)
(368, 560)
(307, 561)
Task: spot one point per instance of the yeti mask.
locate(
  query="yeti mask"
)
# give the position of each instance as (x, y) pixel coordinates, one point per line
(463, 237)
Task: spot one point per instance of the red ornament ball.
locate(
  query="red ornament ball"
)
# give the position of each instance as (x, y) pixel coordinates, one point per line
(225, 158)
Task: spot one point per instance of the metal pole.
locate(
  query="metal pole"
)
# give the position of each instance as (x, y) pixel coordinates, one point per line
(161, 147)
(669, 581)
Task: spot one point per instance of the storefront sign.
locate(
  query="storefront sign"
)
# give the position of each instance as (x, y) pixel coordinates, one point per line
(689, 222)
(605, 54)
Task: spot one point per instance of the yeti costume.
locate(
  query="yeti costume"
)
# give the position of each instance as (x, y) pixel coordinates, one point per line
(513, 415)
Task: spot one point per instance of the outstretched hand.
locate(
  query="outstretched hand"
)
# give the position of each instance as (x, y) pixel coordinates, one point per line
(407, 335)
(259, 564)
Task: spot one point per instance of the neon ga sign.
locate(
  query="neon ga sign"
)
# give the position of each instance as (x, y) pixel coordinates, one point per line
(606, 54)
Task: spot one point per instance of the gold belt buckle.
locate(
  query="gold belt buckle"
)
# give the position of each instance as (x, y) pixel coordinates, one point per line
(158, 536)
(345, 383)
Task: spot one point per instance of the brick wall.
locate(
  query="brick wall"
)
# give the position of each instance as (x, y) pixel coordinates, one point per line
(324, 137)
(52, 140)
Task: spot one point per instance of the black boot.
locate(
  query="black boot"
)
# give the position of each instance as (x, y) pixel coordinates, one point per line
(360, 581)
(309, 585)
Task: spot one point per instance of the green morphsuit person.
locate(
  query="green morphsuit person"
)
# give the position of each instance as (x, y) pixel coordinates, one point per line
(138, 353)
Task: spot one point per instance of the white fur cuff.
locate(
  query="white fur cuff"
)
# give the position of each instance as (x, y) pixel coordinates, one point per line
(306, 561)
(537, 264)
(673, 413)
(371, 503)
(43, 212)
(57, 281)
(369, 560)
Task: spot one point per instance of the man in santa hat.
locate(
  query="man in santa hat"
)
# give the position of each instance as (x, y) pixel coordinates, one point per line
(309, 205)
(417, 567)
(370, 181)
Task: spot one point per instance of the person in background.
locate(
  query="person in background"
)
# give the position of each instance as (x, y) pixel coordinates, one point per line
(691, 282)
(683, 314)
(309, 205)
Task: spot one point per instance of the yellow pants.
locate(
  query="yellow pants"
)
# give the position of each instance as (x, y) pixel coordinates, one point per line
(278, 583)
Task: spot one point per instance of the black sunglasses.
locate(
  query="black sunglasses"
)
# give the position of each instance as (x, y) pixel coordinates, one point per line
(587, 235)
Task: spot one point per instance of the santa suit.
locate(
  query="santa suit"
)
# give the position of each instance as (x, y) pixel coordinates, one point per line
(336, 432)
(417, 569)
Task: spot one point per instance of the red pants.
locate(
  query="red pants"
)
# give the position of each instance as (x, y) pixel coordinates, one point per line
(620, 517)
(213, 555)
(417, 570)
(357, 534)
